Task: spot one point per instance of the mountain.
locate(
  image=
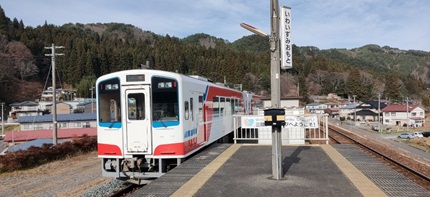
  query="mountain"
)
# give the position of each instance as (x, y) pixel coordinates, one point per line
(92, 50)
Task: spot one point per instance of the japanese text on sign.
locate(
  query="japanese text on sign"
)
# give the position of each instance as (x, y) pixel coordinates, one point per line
(285, 32)
(307, 122)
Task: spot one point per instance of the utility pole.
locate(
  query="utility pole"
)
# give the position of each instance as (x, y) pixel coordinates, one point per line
(407, 114)
(355, 110)
(379, 115)
(92, 102)
(275, 63)
(54, 96)
(275, 78)
(2, 119)
(275, 75)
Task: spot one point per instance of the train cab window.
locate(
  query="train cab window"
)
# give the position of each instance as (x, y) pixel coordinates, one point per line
(109, 102)
(136, 104)
(165, 101)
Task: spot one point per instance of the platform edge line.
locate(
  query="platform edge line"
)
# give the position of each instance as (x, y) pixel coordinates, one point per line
(363, 184)
(194, 184)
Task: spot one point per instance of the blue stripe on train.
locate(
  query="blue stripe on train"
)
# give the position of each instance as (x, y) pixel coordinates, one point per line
(115, 125)
(164, 124)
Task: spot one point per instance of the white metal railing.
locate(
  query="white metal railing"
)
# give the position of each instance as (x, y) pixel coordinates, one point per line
(251, 129)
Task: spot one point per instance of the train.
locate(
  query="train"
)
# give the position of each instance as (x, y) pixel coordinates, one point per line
(150, 121)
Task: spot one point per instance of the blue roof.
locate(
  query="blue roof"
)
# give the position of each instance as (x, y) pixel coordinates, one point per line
(35, 143)
(350, 106)
(60, 118)
(314, 104)
(85, 103)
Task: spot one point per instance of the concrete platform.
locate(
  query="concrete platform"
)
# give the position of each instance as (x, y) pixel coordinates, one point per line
(246, 170)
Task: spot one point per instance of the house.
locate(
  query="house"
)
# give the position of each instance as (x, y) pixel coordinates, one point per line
(399, 115)
(316, 108)
(346, 111)
(82, 120)
(364, 115)
(334, 104)
(285, 102)
(332, 112)
(87, 107)
(369, 111)
(60, 94)
(333, 96)
(26, 108)
(62, 108)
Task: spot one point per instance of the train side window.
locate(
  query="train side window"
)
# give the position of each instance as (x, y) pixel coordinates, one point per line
(221, 106)
(200, 108)
(192, 109)
(187, 110)
(215, 106)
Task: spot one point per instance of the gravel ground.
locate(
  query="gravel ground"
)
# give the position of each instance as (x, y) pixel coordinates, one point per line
(74, 176)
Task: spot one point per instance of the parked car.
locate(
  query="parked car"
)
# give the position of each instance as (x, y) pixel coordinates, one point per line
(406, 136)
(375, 127)
(426, 133)
(418, 134)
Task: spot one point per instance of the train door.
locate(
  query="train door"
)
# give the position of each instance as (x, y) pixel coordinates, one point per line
(138, 123)
(200, 120)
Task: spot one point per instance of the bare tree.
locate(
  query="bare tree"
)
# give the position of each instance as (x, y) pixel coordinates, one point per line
(22, 60)
(336, 79)
(318, 76)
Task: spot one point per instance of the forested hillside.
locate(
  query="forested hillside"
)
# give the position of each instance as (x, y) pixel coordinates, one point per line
(92, 50)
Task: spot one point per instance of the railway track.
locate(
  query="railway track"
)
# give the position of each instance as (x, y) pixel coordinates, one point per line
(407, 166)
(127, 190)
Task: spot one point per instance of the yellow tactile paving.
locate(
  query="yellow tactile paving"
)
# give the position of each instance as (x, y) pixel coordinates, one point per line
(194, 184)
(364, 185)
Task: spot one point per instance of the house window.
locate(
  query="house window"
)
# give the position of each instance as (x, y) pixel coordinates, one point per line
(27, 126)
(78, 124)
(38, 127)
(86, 125)
(393, 113)
(414, 113)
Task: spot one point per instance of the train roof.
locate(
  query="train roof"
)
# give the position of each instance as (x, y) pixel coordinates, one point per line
(164, 73)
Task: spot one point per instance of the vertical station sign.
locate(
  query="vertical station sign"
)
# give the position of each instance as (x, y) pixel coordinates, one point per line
(285, 31)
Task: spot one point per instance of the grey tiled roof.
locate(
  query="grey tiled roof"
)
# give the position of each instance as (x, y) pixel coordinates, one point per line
(60, 118)
(25, 103)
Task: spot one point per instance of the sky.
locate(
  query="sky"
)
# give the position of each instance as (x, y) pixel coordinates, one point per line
(326, 24)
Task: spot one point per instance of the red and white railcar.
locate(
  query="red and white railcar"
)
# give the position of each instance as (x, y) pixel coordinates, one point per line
(149, 120)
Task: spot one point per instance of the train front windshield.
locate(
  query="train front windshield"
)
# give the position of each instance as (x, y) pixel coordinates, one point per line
(165, 109)
(109, 103)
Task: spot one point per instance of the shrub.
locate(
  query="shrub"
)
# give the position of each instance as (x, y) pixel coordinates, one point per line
(35, 156)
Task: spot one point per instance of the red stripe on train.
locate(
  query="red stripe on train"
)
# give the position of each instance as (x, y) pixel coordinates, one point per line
(108, 150)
